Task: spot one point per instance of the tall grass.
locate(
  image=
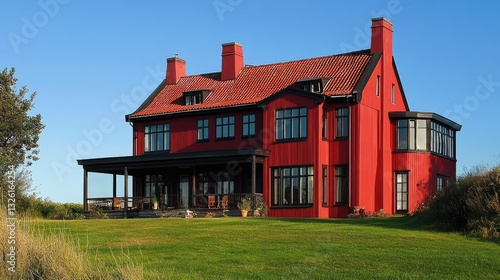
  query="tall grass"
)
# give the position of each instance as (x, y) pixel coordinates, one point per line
(471, 206)
(56, 256)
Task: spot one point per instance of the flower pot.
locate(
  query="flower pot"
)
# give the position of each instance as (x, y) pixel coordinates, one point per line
(244, 213)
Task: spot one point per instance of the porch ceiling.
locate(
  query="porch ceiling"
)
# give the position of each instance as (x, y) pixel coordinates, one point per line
(116, 165)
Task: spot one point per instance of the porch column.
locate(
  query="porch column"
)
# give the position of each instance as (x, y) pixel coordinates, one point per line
(85, 189)
(125, 192)
(114, 185)
(253, 181)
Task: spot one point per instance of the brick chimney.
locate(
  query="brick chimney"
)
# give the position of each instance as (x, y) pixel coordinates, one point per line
(232, 60)
(176, 69)
(381, 36)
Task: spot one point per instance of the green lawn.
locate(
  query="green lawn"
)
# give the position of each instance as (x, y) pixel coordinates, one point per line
(252, 248)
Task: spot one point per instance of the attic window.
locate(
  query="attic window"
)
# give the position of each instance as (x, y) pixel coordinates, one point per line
(315, 85)
(195, 97)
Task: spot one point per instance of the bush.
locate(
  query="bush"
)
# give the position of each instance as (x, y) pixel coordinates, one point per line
(98, 213)
(471, 206)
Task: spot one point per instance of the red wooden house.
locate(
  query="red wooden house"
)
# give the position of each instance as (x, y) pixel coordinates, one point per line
(314, 137)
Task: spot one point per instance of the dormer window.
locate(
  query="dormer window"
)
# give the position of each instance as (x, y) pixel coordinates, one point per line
(315, 85)
(195, 97)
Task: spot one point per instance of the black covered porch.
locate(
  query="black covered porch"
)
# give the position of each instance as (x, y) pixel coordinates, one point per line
(162, 181)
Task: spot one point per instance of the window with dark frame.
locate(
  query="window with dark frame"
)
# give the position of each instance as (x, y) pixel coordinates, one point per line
(291, 123)
(324, 125)
(292, 186)
(341, 184)
(393, 94)
(442, 140)
(342, 115)
(377, 87)
(442, 182)
(402, 191)
(425, 135)
(202, 130)
(224, 127)
(248, 125)
(195, 97)
(412, 135)
(324, 175)
(157, 138)
(192, 99)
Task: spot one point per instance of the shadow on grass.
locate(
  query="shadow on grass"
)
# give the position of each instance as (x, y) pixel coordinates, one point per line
(397, 222)
(412, 223)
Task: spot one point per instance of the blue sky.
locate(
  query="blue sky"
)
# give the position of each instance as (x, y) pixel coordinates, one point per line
(92, 62)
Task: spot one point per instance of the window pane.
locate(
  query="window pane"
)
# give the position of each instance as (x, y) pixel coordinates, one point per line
(245, 130)
(146, 143)
(295, 128)
(287, 128)
(218, 132)
(160, 141)
(252, 118)
(252, 129)
(279, 129)
(303, 127)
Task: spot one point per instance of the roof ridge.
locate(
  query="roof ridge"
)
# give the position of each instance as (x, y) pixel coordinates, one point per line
(283, 62)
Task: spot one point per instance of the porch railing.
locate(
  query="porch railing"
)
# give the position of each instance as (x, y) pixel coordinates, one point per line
(164, 202)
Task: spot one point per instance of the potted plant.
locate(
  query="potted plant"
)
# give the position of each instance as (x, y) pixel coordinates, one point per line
(245, 205)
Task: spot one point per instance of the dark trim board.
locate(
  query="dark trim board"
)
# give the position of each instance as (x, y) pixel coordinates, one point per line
(117, 165)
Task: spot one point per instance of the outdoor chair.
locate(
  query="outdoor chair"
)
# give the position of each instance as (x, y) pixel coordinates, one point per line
(225, 202)
(211, 201)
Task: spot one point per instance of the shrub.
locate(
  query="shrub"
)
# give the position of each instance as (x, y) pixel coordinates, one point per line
(261, 206)
(472, 205)
(98, 213)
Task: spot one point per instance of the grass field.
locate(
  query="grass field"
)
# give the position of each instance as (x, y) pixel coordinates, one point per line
(252, 248)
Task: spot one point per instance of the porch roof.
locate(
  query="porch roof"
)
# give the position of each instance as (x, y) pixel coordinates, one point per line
(116, 165)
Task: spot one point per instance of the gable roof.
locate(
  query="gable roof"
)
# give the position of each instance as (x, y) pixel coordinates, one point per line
(256, 83)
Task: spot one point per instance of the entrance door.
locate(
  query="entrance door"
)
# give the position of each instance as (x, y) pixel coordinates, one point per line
(184, 192)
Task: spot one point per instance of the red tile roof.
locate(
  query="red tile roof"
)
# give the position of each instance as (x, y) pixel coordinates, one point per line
(255, 83)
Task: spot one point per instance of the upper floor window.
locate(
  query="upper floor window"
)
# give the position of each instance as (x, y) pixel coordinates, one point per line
(342, 115)
(224, 127)
(202, 130)
(442, 140)
(377, 87)
(324, 124)
(248, 125)
(157, 138)
(393, 94)
(291, 123)
(292, 186)
(315, 85)
(412, 135)
(195, 97)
